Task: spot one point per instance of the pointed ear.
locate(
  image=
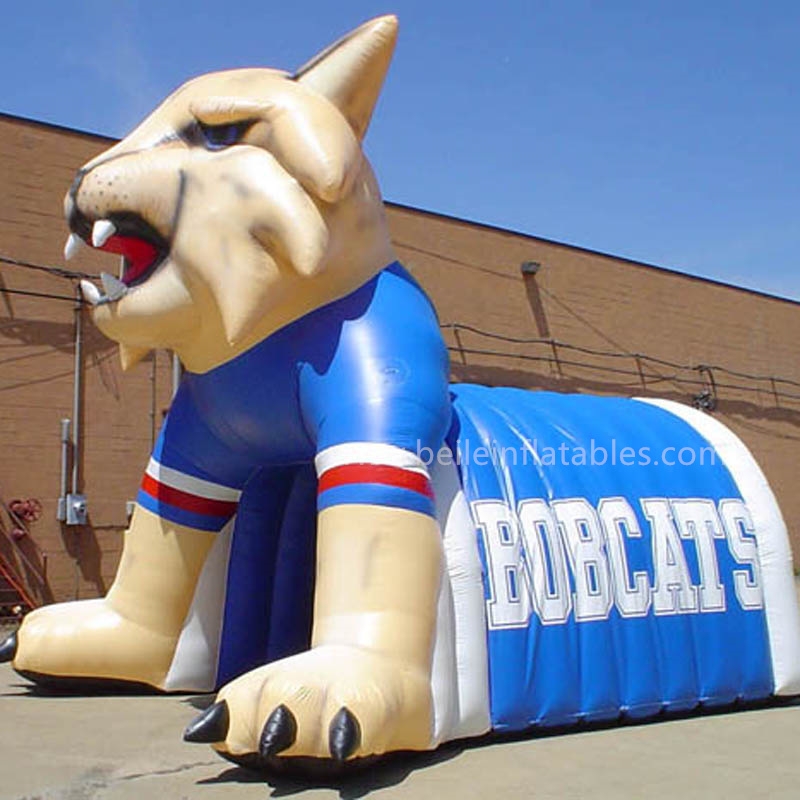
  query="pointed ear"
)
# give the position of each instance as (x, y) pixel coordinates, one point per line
(350, 72)
(130, 356)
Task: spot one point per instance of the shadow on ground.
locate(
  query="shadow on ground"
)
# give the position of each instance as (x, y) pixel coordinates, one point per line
(359, 780)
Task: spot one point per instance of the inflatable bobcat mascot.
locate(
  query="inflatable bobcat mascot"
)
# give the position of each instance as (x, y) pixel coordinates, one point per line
(256, 248)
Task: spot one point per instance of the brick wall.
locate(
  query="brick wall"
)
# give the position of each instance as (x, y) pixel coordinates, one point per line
(37, 164)
(590, 303)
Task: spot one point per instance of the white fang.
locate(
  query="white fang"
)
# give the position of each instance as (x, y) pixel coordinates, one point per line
(114, 287)
(90, 292)
(102, 231)
(73, 245)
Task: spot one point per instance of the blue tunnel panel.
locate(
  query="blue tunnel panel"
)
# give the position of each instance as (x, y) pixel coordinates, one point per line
(619, 563)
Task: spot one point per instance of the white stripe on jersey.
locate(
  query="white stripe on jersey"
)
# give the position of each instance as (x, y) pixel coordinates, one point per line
(187, 483)
(368, 453)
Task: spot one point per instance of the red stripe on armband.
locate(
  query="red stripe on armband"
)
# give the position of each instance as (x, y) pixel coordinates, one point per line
(375, 473)
(186, 500)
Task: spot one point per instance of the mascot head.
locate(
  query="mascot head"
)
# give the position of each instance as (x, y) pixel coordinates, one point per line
(241, 203)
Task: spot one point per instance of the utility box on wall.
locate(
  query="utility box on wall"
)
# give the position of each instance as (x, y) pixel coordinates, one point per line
(77, 510)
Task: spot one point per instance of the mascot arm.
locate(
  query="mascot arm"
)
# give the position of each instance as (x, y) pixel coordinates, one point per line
(180, 508)
(378, 552)
(378, 407)
(377, 582)
(131, 634)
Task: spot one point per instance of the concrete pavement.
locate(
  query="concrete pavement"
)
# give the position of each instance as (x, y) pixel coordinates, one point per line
(99, 748)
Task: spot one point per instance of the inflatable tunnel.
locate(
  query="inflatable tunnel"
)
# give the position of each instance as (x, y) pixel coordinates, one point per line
(607, 558)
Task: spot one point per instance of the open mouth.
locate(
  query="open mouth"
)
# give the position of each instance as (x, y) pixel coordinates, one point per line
(141, 246)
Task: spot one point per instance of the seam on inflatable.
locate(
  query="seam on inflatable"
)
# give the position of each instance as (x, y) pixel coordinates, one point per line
(774, 552)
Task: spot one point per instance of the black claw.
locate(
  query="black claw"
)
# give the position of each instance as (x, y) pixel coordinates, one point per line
(280, 731)
(210, 727)
(344, 735)
(9, 648)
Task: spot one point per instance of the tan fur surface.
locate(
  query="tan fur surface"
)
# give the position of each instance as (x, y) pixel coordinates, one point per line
(130, 634)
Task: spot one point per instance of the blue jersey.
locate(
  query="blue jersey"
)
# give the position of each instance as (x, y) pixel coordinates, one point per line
(346, 386)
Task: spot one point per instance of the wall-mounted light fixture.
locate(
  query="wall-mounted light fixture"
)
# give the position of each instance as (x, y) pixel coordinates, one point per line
(529, 267)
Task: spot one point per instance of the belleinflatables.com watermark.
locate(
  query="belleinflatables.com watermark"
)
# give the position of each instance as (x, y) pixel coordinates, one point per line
(566, 455)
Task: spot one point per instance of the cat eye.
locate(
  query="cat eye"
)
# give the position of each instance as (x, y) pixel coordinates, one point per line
(218, 137)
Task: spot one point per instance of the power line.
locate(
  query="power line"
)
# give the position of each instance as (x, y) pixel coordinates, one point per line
(73, 299)
(643, 377)
(58, 272)
(457, 326)
(653, 378)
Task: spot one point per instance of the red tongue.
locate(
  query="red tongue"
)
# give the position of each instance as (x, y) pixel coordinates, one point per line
(138, 254)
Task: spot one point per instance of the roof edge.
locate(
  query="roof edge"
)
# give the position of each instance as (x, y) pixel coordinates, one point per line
(38, 123)
(590, 251)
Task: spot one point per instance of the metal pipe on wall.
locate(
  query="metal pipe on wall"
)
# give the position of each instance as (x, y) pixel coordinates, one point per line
(61, 513)
(74, 500)
(77, 392)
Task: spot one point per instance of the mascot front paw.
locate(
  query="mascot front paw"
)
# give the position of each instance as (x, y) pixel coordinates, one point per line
(332, 702)
(86, 643)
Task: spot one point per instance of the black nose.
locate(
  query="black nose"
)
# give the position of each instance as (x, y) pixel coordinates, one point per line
(77, 222)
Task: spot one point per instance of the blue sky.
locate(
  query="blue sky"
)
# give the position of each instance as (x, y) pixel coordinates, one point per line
(667, 132)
